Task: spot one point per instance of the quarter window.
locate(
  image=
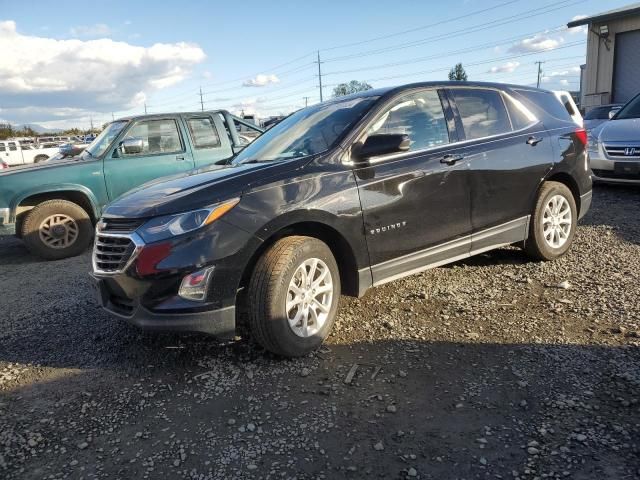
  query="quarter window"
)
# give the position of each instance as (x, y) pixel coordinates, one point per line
(203, 132)
(420, 116)
(158, 136)
(482, 112)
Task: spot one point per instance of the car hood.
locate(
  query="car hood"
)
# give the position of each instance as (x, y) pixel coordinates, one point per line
(40, 166)
(624, 130)
(191, 191)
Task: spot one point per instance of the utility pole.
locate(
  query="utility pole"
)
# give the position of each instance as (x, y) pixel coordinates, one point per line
(201, 102)
(91, 123)
(306, 101)
(145, 108)
(113, 116)
(539, 73)
(320, 75)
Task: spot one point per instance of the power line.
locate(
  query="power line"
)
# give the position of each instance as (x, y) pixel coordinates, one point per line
(465, 31)
(423, 27)
(320, 75)
(539, 73)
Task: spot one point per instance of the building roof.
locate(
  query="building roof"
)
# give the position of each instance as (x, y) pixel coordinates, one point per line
(632, 9)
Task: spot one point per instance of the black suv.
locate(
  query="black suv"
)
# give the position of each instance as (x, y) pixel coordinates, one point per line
(338, 198)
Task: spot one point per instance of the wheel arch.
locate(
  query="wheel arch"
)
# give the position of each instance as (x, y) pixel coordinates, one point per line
(78, 195)
(350, 279)
(567, 180)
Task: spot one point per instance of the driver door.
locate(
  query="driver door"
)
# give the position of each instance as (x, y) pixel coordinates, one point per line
(415, 204)
(164, 152)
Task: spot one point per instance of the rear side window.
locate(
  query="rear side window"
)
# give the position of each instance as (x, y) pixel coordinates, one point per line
(482, 112)
(2, 147)
(12, 147)
(548, 102)
(203, 132)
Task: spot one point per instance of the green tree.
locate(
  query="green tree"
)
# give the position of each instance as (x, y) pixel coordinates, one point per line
(457, 73)
(352, 87)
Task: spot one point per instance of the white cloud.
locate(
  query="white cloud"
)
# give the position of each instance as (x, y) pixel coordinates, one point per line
(44, 79)
(90, 31)
(581, 29)
(506, 68)
(261, 80)
(536, 43)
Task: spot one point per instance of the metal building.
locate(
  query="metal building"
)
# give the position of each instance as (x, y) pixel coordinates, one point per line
(612, 73)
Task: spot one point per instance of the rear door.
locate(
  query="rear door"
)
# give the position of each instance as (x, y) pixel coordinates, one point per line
(415, 207)
(209, 141)
(164, 153)
(506, 162)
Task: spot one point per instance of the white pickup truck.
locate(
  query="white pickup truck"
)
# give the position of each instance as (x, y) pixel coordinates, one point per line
(13, 153)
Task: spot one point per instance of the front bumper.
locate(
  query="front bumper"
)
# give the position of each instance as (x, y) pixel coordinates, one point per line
(220, 322)
(620, 171)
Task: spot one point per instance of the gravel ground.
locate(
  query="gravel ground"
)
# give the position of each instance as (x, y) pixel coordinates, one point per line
(494, 367)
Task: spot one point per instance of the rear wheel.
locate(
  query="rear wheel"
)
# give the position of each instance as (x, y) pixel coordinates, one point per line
(40, 158)
(553, 224)
(57, 229)
(293, 296)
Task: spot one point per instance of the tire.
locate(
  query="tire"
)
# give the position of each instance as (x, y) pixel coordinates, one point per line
(270, 290)
(57, 229)
(552, 245)
(40, 158)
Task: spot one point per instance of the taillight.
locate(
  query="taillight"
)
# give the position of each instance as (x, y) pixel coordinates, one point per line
(581, 134)
(3, 165)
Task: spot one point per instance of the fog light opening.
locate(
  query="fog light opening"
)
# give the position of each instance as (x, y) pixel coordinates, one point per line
(195, 285)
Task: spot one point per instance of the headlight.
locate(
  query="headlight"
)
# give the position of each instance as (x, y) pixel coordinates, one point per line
(169, 226)
(592, 144)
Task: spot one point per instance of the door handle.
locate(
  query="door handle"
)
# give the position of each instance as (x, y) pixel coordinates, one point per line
(180, 158)
(533, 141)
(451, 159)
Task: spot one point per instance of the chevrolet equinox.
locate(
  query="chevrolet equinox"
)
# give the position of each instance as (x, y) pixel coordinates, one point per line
(340, 197)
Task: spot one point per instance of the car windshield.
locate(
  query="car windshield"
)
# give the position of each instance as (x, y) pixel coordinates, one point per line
(102, 141)
(630, 110)
(307, 132)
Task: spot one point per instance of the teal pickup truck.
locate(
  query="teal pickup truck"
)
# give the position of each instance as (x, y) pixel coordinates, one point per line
(53, 206)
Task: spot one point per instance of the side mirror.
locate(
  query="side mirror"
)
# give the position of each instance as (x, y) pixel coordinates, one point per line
(131, 146)
(384, 144)
(613, 111)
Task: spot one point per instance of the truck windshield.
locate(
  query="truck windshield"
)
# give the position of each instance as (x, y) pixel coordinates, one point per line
(306, 132)
(630, 110)
(102, 141)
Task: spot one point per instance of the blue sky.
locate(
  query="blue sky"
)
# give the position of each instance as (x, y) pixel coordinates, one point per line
(79, 61)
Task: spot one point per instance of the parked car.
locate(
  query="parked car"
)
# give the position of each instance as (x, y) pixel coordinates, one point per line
(567, 100)
(340, 197)
(598, 115)
(15, 153)
(54, 205)
(614, 148)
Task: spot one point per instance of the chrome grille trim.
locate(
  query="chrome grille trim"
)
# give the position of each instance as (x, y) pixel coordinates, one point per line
(617, 151)
(119, 250)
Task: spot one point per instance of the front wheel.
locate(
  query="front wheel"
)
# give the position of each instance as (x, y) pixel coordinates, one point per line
(57, 229)
(553, 223)
(293, 296)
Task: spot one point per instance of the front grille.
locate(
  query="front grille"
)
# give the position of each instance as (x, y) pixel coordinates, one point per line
(120, 225)
(623, 151)
(111, 253)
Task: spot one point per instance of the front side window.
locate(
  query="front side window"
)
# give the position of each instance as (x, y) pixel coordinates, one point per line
(307, 132)
(482, 112)
(203, 133)
(158, 137)
(104, 139)
(2, 149)
(418, 115)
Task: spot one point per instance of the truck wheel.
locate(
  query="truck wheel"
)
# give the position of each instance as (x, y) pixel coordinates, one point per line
(293, 296)
(553, 223)
(57, 229)
(40, 158)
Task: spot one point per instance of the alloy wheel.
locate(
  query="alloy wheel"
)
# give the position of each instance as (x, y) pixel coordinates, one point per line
(556, 221)
(309, 297)
(58, 231)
